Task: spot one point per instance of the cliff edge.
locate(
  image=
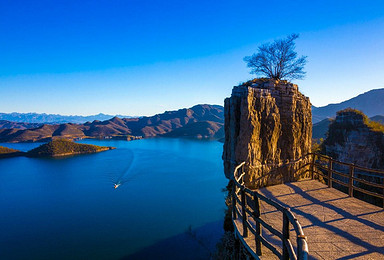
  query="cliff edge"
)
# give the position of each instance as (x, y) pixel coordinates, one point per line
(268, 124)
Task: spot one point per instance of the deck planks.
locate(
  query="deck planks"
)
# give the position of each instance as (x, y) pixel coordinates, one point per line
(337, 226)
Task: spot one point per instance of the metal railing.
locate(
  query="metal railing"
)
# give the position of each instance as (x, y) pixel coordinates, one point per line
(246, 202)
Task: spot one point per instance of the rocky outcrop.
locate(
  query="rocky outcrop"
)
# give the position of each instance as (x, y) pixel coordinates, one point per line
(268, 124)
(353, 138)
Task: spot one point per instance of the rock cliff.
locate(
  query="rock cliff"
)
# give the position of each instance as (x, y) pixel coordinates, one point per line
(268, 124)
(353, 138)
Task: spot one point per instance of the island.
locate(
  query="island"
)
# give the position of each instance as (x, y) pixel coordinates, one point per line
(55, 148)
(62, 147)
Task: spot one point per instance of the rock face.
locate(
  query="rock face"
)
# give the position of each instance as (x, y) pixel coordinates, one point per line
(353, 138)
(268, 124)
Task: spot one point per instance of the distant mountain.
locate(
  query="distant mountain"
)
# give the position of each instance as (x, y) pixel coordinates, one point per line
(202, 121)
(379, 119)
(51, 118)
(4, 124)
(371, 103)
(319, 130)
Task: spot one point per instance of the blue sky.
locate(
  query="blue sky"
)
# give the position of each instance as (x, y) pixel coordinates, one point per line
(145, 57)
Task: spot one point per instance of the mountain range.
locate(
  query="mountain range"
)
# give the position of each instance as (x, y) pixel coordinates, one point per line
(370, 103)
(200, 121)
(53, 118)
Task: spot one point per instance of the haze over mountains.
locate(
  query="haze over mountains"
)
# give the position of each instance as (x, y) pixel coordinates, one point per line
(53, 118)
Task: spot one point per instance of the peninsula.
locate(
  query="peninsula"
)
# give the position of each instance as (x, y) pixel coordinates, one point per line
(6, 152)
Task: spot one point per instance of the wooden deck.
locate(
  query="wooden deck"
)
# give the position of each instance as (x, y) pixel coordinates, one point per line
(337, 226)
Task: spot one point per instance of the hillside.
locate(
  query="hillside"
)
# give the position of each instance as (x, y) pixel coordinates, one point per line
(5, 124)
(370, 103)
(183, 120)
(320, 129)
(205, 129)
(62, 147)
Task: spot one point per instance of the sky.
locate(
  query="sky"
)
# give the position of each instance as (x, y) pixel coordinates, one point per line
(142, 57)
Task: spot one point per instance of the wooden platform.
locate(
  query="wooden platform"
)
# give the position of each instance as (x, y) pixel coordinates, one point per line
(336, 226)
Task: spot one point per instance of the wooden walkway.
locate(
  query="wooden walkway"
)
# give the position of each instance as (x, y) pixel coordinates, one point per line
(337, 226)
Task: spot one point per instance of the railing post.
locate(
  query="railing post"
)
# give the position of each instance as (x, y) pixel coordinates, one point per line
(350, 182)
(256, 215)
(313, 165)
(285, 235)
(244, 218)
(234, 187)
(330, 173)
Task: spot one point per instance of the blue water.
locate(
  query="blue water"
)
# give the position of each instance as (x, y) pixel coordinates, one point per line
(68, 208)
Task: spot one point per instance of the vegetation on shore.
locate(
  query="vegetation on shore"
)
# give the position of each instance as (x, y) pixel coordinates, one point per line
(62, 147)
(6, 152)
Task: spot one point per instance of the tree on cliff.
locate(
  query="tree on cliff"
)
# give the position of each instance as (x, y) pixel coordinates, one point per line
(278, 60)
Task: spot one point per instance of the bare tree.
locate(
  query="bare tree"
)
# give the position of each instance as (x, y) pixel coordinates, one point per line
(278, 60)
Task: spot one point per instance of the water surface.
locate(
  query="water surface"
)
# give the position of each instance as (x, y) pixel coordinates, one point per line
(68, 208)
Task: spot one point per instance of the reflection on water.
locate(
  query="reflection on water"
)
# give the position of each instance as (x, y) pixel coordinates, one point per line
(68, 208)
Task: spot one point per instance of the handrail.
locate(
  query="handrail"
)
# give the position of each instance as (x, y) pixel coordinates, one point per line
(288, 218)
(240, 192)
(351, 177)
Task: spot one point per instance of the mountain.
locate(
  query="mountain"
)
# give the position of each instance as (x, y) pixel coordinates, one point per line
(5, 124)
(320, 129)
(370, 103)
(51, 118)
(202, 121)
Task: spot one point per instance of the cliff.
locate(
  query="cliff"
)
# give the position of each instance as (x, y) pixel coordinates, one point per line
(353, 138)
(268, 124)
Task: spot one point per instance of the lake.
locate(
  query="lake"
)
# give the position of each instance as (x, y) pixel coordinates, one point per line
(169, 204)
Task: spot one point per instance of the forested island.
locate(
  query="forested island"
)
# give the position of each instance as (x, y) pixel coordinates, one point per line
(55, 148)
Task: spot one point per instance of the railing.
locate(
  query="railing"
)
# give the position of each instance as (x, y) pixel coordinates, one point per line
(247, 211)
(350, 176)
(246, 202)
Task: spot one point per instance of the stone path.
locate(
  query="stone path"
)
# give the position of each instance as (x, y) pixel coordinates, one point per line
(336, 226)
